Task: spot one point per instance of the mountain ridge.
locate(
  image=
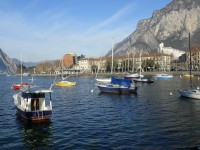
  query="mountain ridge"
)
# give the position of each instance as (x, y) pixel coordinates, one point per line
(6, 64)
(169, 25)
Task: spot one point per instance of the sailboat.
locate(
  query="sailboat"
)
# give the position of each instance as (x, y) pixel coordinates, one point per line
(141, 77)
(64, 82)
(107, 80)
(103, 80)
(18, 86)
(163, 75)
(191, 92)
(116, 85)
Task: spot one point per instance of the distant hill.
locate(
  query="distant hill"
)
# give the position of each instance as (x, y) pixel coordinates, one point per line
(7, 66)
(170, 25)
(30, 64)
(27, 64)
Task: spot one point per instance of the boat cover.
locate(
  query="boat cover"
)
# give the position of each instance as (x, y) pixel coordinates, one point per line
(122, 82)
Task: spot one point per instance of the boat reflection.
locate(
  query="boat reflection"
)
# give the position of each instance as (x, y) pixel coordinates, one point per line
(36, 135)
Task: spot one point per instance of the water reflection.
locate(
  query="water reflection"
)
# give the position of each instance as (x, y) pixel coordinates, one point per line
(36, 135)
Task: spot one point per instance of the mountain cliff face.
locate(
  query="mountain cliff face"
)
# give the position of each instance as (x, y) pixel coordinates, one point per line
(6, 64)
(170, 25)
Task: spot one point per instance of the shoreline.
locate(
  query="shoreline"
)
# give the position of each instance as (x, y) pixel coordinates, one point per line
(175, 73)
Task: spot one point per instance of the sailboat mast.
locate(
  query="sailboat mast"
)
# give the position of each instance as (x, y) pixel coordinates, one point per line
(190, 63)
(112, 57)
(21, 67)
(62, 65)
(140, 63)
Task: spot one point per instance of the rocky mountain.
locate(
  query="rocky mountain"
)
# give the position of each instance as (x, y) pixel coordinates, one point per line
(6, 64)
(170, 25)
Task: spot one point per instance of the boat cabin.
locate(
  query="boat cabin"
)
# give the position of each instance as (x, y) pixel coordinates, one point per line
(32, 100)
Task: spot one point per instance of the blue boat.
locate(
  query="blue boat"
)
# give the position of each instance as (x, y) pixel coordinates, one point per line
(119, 86)
(32, 105)
(164, 76)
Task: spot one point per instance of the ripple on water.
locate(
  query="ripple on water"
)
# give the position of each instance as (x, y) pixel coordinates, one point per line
(83, 119)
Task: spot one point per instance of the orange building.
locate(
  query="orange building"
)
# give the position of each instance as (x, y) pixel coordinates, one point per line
(69, 60)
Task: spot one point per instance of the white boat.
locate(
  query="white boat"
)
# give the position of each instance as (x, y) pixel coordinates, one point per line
(104, 80)
(133, 76)
(191, 92)
(163, 75)
(32, 105)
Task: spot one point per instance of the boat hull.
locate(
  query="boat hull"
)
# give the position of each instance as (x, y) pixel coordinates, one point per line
(65, 83)
(106, 80)
(188, 76)
(190, 93)
(18, 86)
(35, 116)
(116, 90)
(144, 80)
(164, 76)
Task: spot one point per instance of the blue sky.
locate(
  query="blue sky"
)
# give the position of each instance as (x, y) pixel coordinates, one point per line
(47, 29)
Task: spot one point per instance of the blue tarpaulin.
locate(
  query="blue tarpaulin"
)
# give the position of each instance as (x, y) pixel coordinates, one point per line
(122, 82)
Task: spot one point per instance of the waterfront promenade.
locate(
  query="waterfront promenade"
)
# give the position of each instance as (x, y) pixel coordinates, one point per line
(150, 73)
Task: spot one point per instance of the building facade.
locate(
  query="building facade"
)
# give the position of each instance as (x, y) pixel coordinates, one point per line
(124, 63)
(170, 51)
(69, 60)
(195, 59)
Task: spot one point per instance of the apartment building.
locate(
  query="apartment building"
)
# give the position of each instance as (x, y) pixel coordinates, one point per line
(195, 59)
(124, 63)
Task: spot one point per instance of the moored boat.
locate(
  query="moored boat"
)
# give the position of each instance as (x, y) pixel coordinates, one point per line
(133, 76)
(22, 84)
(144, 80)
(118, 86)
(191, 92)
(164, 76)
(188, 76)
(18, 86)
(104, 80)
(64, 83)
(31, 103)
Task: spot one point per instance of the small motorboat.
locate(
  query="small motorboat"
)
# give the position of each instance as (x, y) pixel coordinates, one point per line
(33, 104)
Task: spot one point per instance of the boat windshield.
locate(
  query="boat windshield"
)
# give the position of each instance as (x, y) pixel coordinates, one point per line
(33, 95)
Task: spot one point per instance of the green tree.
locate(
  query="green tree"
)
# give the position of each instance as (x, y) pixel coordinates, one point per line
(80, 57)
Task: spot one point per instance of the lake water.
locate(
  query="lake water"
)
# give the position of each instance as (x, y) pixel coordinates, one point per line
(83, 119)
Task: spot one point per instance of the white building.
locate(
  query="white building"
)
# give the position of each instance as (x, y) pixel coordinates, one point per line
(170, 51)
(84, 65)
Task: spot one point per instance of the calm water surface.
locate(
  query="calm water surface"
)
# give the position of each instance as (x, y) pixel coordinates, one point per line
(83, 119)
